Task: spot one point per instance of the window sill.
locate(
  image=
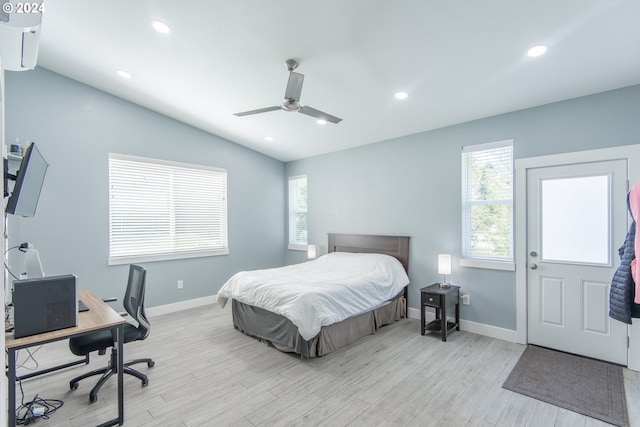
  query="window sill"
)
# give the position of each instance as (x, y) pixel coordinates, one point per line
(488, 264)
(166, 257)
(297, 247)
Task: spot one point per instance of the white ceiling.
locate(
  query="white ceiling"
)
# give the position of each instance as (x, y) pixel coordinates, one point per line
(458, 60)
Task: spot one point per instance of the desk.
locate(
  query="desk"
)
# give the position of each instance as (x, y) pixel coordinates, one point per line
(100, 316)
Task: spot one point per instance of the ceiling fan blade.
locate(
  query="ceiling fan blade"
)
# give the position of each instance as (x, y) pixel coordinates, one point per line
(294, 86)
(310, 111)
(261, 110)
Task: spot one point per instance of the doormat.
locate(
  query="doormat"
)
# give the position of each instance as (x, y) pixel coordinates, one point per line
(587, 386)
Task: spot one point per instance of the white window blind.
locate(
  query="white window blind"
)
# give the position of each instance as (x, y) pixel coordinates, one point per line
(487, 201)
(162, 210)
(298, 210)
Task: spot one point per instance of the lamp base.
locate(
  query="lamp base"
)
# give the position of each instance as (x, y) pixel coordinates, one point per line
(445, 285)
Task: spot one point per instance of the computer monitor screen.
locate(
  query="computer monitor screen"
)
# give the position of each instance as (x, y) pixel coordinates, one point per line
(29, 180)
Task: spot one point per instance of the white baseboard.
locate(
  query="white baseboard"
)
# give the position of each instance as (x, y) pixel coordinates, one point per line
(182, 305)
(473, 327)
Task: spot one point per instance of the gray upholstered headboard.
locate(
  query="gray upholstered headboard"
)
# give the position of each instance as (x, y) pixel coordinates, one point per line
(396, 246)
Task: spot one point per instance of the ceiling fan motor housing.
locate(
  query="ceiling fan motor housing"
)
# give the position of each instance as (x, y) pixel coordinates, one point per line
(290, 105)
(292, 98)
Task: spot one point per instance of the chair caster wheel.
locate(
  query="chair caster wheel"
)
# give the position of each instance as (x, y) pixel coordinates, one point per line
(145, 383)
(92, 398)
(151, 364)
(73, 386)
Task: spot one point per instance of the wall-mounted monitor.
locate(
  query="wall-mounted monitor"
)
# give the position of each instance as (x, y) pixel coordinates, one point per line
(29, 180)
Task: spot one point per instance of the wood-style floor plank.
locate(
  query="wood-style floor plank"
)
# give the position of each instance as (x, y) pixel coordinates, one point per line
(209, 374)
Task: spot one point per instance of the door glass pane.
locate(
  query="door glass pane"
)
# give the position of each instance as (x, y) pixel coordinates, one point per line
(575, 219)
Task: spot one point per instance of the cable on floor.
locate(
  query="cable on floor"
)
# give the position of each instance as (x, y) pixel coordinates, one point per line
(38, 408)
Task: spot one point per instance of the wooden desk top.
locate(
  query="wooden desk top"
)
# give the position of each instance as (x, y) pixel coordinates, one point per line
(99, 316)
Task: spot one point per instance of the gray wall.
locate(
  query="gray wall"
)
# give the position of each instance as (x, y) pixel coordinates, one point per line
(75, 127)
(411, 186)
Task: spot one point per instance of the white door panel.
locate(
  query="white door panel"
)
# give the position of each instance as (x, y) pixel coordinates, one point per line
(552, 301)
(576, 219)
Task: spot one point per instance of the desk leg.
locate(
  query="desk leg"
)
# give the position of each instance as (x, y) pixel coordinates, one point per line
(11, 386)
(121, 374)
(119, 333)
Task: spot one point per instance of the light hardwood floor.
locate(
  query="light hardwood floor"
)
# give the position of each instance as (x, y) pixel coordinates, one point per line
(209, 374)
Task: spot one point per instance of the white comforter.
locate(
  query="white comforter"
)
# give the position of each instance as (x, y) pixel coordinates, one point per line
(321, 292)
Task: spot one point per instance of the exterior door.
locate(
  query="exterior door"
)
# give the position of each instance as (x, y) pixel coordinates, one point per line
(576, 220)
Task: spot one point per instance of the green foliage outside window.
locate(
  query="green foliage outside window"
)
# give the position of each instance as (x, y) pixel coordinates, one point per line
(488, 203)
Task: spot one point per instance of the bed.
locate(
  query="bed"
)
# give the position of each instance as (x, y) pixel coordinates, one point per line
(375, 305)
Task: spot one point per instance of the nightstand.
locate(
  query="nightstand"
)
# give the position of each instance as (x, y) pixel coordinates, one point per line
(440, 298)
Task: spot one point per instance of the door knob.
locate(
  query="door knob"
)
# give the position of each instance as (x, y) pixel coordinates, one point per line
(533, 266)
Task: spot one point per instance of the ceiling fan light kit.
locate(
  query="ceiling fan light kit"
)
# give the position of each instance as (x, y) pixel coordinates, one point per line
(292, 98)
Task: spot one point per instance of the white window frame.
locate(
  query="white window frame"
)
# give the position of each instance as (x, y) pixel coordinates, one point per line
(196, 191)
(469, 259)
(294, 210)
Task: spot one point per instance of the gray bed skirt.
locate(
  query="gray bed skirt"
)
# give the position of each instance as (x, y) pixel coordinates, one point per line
(279, 332)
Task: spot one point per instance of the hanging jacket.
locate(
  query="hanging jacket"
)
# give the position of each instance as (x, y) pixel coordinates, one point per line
(622, 291)
(622, 286)
(633, 202)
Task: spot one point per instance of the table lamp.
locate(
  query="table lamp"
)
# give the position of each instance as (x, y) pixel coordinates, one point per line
(312, 251)
(444, 268)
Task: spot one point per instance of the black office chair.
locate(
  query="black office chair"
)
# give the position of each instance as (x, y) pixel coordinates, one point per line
(101, 340)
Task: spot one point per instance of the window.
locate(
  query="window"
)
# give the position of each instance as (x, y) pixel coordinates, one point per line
(161, 210)
(298, 212)
(487, 203)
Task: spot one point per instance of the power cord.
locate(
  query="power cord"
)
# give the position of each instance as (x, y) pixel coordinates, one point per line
(30, 356)
(31, 412)
(8, 317)
(23, 248)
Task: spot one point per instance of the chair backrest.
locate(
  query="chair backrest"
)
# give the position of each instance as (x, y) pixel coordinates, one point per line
(134, 299)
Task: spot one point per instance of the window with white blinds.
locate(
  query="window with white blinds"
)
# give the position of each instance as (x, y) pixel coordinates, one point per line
(487, 201)
(161, 210)
(298, 212)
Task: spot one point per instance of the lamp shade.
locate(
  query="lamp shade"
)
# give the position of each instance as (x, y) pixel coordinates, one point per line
(444, 264)
(312, 251)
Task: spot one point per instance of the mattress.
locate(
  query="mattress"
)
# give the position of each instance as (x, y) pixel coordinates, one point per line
(319, 293)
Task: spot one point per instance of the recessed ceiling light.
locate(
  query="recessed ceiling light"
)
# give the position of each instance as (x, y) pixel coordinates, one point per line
(124, 74)
(536, 51)
(321, 122)
(160, 26)
(268, 138)
(401, 95)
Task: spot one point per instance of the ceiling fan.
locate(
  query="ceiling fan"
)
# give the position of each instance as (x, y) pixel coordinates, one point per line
(292, 98)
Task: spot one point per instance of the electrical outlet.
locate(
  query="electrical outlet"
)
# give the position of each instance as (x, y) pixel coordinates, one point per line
(180, 284)
(466, 299)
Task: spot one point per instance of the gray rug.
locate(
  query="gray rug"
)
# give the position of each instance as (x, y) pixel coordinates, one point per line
(589, 387)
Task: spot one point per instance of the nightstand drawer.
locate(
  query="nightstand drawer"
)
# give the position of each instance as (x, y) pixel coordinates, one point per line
(432, 300)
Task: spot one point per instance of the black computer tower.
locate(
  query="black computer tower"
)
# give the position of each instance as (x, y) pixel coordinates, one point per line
(44, 304)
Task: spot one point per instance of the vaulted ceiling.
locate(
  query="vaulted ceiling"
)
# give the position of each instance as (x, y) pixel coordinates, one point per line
(456, 60)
